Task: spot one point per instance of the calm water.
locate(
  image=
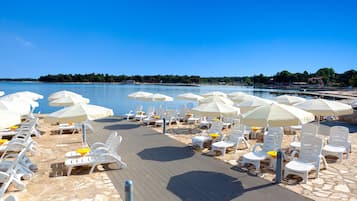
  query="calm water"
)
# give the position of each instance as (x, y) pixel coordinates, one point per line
(115, 96)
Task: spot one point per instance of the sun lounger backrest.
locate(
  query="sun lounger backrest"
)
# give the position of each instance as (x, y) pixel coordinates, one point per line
(216, 127)
(273, 139)
(324, 130)
(310, 151)
(309, 128)
(339, 136)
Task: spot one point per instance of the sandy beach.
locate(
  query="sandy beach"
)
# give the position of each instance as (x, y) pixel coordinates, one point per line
(50, 181)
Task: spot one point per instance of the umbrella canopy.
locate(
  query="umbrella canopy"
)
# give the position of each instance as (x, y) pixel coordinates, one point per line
(289, 100)
(68, 101)
(157, 97)
(8, 119)
(214, 93)
(323, 107)
(79, 113)
(237, 93)
(139, 94)
(15, 106)
(354, 103)
(28, 94)
(275, 115)
(14, 98)
(255, 102)
(220, 99)
(2, 93)
(60, 94)
(190, 96)
(216, 109)
(241, 98)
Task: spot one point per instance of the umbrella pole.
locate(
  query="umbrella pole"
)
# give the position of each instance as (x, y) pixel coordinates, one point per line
(84, 135)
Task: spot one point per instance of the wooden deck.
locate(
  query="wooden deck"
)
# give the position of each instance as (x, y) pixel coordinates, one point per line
(164, 169)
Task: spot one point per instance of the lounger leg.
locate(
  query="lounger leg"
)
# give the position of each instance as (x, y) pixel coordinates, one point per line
(92, 169)
(69, 170)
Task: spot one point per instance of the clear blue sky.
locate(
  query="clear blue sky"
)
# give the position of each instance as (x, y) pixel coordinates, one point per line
(195, 37)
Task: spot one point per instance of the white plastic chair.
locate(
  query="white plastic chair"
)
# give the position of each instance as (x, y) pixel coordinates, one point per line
(338, 142)
(272, 142)
(101, 155)
(74, 127)
(307, 129)
(114, 140)
(202, 139)
(235, 138)
(309, 158)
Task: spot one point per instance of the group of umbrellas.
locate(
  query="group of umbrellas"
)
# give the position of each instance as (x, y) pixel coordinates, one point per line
(76, 108)
(285, 110)
(15, 105)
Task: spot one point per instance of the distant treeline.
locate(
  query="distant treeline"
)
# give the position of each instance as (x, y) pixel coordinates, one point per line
(18, 79)
(324, 76)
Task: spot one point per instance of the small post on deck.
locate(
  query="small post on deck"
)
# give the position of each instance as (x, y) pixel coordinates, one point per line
(279, 169)
(129, 190)
(164, 126)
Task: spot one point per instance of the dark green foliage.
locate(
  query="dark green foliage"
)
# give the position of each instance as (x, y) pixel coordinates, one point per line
(327, 75)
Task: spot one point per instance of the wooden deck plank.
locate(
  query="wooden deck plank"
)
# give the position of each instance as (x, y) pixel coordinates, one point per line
(164, 169)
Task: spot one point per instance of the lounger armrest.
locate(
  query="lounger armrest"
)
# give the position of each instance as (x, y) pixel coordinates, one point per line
(293, 154)
(100, 150)
(257, 145)
(98, 144)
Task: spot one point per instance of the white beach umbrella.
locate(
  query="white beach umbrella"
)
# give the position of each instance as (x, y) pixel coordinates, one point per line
(68, 101)
(15, 106)
(20, 100)
(79, 113)
(139, 94)
(275, 115)
(190, 96)
(289, 100)
(214, 93)
(237, 93)
(8, 119)
(323, 107)
(2, 93)
(253, 103)
(60, 94)
(28, 94)
(157, 97)
(216, 109)
(220, 99)
(354, 103)
(241, 98)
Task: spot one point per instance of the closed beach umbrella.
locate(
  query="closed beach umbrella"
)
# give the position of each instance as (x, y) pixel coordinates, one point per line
(28, 94)
(79, 113)
(323, 107)
(275, 115)
(289, 100)
(2, 93)
(139, 94)
(255, 102)
(68, 101)
(60, 94)
(216, 109)
(220, 99)
(157, 97)
(15, 106)
(8, 119)
(237, 93)
(214, 93)
(189, 96)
